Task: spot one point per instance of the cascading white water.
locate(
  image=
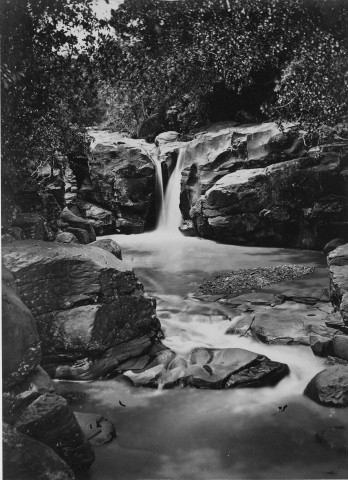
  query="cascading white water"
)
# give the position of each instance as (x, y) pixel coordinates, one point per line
(170, 216)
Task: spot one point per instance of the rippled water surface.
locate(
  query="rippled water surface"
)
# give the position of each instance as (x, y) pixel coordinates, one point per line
(203, 434)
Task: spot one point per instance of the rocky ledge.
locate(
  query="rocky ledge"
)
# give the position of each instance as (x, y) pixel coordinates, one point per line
(213, 368)
(90, 308)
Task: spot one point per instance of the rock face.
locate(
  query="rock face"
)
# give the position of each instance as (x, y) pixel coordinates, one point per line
(90, 308)
(295, 203)
(215, 368)
(29, 403)
(21, 343)
(78, 226)
(27, 459)
(330, 387)
(257, 185)
(338, 271)
(116, 185)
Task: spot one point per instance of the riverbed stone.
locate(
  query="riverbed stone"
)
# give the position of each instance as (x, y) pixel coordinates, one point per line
(330, 387)
(86, 303)
(215, 368)
(340, 347)
(27, 459)
(335, 438)
(49, 420)
(289, 323)
(96, 428)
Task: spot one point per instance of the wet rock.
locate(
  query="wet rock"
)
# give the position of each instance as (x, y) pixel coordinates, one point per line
(27, 459)
(79, 223)
(86, 303)
(32, 224)
(21, 343)
(49, 420)
(215, 369)
(330, 387)
(287, 324)
(321, 346)
(97, 429)
(108, 245)
(335, 438)
(340, 347)
(187, 228)
(333, 244)
(66, 237)
(20, 395)
(338, 272)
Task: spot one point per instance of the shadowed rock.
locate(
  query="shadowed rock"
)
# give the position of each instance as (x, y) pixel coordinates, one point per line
(85, 301)
(27, 459)
(49, 420)
(330, 387)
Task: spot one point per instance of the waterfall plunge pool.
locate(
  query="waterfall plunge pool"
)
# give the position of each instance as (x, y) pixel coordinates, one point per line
(211, 434)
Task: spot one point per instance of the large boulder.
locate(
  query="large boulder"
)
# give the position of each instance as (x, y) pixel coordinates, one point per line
(288, 324)
(27, 459)
(108, 245)
(330, 387)
(298, 203)
(338, 272)
(20, 339)
(88, 304)
(116, 185)
(214, 368)
(49, 420)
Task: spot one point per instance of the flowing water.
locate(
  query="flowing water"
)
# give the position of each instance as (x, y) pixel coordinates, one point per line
(209, 434)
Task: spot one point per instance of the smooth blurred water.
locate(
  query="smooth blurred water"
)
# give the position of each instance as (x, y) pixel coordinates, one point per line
(202, 434)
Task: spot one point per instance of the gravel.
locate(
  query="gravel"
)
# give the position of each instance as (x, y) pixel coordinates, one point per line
(252, 279)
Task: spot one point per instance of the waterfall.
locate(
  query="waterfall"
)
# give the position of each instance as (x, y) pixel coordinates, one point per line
(170, 217)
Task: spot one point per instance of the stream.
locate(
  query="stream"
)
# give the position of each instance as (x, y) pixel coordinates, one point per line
(211, 434)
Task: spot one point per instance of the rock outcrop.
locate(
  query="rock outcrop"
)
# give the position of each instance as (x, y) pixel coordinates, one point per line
(330, 387)
(258, 185)
(116, 185)
(298, 203)
(214, 368)
(90, 308)
(29, 403)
